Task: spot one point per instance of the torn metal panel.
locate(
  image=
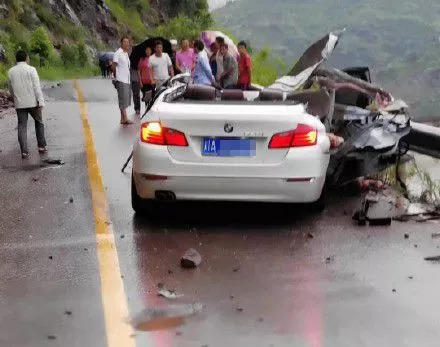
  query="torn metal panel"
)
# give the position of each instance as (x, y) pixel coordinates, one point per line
(314, 56)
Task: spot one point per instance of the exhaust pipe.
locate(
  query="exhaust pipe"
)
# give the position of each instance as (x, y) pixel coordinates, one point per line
(164, 195)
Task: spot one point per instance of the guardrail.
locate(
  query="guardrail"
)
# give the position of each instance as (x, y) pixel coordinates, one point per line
(424, 139)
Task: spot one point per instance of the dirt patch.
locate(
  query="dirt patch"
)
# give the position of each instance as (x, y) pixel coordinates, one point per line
(6, 103)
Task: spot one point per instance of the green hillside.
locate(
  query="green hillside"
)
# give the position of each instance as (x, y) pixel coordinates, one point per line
(398, 39)
(64, 37)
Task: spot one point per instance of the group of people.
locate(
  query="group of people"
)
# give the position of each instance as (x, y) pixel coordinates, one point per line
(221, 69)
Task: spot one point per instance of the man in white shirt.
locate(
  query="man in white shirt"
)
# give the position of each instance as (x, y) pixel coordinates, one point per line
(24, 85)
(121, 70)
(161, 66)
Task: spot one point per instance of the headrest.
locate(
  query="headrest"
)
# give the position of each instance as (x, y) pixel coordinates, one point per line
(232, 94)
(318, 101)
(200, 92)
(271, 95)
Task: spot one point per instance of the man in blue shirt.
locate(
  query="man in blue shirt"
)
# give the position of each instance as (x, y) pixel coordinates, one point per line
(202, 70)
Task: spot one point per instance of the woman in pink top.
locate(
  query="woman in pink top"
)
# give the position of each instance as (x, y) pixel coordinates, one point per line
(185, 58)
(144, 71)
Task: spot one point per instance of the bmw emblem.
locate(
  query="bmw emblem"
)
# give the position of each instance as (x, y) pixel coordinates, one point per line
(229, 128)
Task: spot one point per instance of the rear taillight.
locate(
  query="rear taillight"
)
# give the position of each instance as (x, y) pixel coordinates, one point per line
(154, 133)
(302, 136)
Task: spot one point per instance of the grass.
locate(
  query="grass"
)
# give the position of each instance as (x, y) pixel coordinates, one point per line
(129, 17)
(57, 73)
(54, 73)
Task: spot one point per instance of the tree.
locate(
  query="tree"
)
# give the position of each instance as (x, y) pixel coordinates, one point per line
(41, 45)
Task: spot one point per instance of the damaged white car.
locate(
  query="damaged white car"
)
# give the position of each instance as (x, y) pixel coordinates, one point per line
(278, 144)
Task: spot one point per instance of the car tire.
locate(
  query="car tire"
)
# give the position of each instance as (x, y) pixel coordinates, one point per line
(139, 205)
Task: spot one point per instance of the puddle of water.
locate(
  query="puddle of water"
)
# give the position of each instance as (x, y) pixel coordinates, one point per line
(165, 318)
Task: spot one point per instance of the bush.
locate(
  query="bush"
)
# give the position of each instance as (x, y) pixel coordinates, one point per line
(40, 44)
(69, 55)
(179, 28)
(83, 55)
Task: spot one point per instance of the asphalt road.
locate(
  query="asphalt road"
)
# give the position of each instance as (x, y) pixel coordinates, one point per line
(272, 275)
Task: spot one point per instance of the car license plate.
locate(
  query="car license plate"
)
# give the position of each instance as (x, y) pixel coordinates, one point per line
(229, 147)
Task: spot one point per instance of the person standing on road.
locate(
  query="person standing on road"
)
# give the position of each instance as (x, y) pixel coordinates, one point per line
(185, 57)
(121, 70)
(144, 74)
(229, 77)
(244, 67)
(173, 57)
(136, 90)
(24, 85)
(202, 70)
(161, 66)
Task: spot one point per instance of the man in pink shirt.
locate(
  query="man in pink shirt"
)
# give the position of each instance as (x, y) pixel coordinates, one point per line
(185, 57)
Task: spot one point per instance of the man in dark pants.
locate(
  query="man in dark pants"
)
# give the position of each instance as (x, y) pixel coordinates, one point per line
(24, 85)
(136, 90)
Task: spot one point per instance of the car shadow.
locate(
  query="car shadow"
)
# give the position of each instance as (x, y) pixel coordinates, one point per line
(187, 215)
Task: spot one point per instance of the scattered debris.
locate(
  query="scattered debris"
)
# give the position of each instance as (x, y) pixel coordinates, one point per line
(236, 269)
(260, 320)
(406, 236)
(376, 209)
(51, 337)
(232, 297)
(190, 259)
(122, 236)
(160, 285)
(50, 161)
(71, 200)
(172, 316)
(86, 249)
(170, 272)
(330, 259)
(169, 294)
(394, 291)
(415, 246)
(370, 184)
(35, 179)
(335, 141)
(310, 236)
(410, 277)
(50, 257)
(435, 259)
(68, 312)
(239, 309)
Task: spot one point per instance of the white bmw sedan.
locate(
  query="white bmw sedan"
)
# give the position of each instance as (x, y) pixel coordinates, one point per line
(199, 143)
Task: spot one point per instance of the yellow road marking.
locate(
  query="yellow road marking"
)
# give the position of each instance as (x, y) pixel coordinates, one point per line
(112, 287)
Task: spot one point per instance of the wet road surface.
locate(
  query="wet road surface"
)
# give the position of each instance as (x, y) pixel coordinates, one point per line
(264, 280)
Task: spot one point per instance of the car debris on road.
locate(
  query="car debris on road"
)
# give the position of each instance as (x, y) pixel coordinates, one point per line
(169, 294)
(190, 259)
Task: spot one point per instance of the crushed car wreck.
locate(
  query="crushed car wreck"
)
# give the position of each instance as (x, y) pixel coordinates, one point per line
(372, 124)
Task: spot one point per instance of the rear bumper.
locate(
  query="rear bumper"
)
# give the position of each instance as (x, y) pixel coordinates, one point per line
(299, 177)
(232, 189)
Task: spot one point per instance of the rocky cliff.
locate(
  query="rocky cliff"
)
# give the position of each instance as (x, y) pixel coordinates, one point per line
(96, 21)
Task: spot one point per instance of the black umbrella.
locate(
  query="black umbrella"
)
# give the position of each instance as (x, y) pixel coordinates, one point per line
(138, 51)
(106, 56)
